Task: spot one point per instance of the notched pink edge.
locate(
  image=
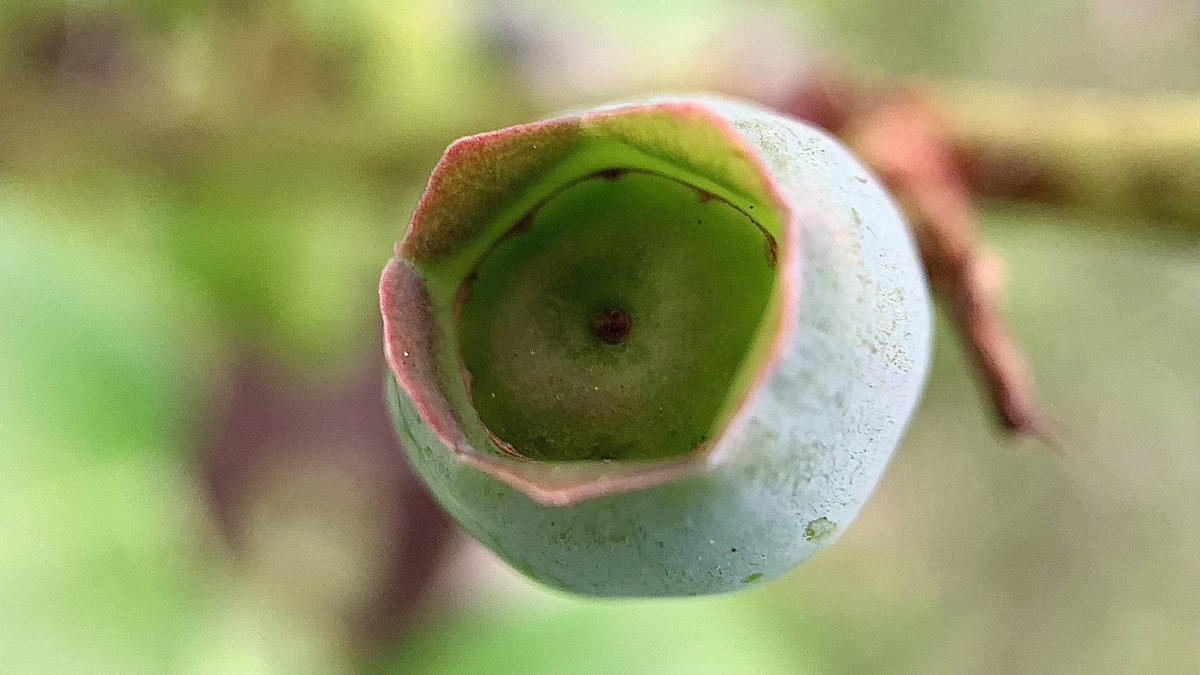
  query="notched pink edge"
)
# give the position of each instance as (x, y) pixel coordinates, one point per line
(410, 343)
(461, 150)
(410, 347)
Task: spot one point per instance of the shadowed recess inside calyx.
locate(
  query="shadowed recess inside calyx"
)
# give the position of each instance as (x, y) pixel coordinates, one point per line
(621, 319)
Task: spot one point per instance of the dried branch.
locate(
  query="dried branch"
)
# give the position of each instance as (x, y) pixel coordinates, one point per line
(903, 136)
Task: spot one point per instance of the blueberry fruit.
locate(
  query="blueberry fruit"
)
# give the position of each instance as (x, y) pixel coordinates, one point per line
(656, 348)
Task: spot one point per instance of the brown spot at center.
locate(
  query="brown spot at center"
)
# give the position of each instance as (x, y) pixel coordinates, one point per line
(611, 326)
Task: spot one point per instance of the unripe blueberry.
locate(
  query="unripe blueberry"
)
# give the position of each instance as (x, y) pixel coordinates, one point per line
(656, 348)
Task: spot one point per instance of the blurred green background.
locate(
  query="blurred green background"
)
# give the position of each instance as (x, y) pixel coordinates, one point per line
(196, 470)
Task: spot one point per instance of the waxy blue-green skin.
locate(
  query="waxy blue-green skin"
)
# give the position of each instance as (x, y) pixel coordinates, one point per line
(804, 455)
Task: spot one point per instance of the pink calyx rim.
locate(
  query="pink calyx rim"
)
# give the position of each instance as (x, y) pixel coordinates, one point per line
(410, 336)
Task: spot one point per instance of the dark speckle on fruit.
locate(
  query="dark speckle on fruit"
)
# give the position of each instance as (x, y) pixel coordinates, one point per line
(522, 226)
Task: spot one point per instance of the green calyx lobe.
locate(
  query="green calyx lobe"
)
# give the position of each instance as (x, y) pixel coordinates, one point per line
(632, 249)
(619, 319)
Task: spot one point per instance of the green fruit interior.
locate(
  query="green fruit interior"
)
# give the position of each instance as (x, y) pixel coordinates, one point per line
(618, 320)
